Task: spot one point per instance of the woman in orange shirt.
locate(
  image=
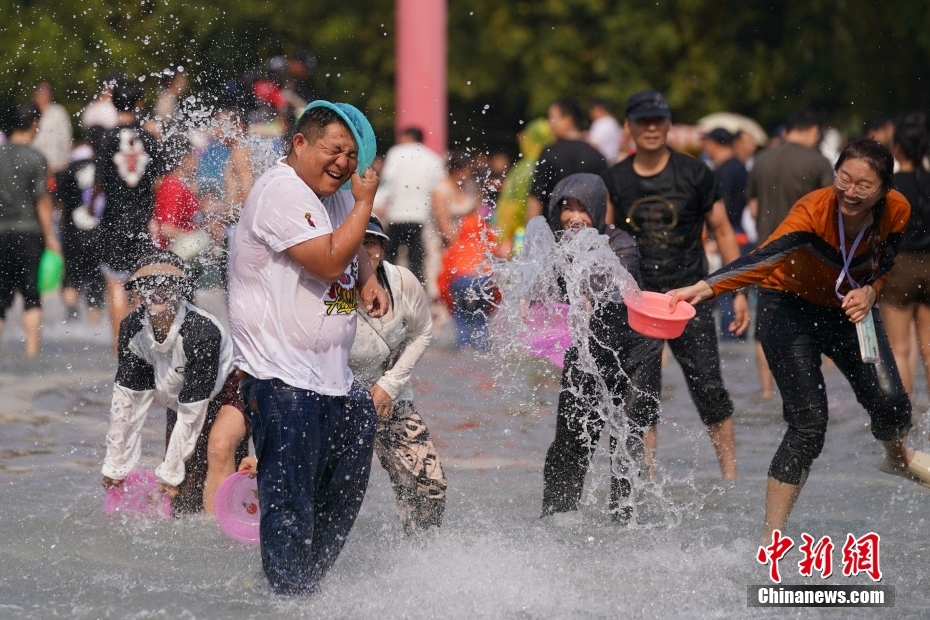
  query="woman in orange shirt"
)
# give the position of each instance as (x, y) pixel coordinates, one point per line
(819, 274)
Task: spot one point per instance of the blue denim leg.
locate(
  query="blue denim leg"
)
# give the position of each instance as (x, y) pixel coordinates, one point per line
(470, 311)
(460, 313)
(314, 458)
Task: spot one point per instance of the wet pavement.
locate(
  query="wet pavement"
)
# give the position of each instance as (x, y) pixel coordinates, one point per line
(492, 421)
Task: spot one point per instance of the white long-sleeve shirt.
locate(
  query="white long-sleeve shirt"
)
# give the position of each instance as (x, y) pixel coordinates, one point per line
(183, 373)
(410, 174)
(407, 323)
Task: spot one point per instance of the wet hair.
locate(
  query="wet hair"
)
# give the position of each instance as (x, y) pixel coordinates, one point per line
(232, 98)
(568, 106)
(312, 124)
(600, 102)
(912, 136)
(111, 80)
(414, 132)
(802, 119)
(24, 115)
(169, 75)
(879, 159)
(874, 123)
(459, 160)
(380, 272)
(383, 277)
(127, 94)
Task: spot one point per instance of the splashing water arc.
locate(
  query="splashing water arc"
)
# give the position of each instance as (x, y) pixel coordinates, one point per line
(584, 266)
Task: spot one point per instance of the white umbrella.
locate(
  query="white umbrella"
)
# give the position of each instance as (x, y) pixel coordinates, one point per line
(733, 123)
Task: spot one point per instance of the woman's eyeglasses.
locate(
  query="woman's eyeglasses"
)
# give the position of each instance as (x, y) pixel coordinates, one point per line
(861, 191)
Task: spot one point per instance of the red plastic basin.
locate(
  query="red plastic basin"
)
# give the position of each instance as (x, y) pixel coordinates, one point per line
(650, 316)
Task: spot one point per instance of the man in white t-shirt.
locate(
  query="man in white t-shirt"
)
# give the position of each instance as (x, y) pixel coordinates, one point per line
(101, 112)
(54, 137)
(411, 172)
(297, 275)
(605, 133)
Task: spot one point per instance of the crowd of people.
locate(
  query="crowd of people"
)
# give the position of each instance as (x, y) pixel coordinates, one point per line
(337, 262)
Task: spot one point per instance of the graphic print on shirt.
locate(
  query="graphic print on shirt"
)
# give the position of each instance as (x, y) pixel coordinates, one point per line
(85, 217)
(131, 160)
(341, 298)
(652, 219)
(310, 220)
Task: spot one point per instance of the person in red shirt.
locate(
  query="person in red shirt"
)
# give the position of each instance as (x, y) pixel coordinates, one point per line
(176, 204)
(464, 281)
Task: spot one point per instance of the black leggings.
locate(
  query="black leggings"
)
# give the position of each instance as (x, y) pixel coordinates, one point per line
(794, 334)
(696, 352)
(581, 419)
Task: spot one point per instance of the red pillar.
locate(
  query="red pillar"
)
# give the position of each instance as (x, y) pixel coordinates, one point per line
(421, 70)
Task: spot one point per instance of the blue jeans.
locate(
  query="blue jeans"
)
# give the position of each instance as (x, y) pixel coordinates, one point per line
(471, 307)
(314, 457)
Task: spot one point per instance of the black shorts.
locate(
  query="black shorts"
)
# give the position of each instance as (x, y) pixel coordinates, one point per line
(20, 254)
(82, 265)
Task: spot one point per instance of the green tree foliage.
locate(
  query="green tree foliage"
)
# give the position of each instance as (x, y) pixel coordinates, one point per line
(847, 58)
(74, 44)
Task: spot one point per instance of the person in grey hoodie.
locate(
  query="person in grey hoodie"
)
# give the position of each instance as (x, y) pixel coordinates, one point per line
(628, 363)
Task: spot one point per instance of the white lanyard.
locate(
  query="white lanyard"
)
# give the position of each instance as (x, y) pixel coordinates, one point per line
(847, 260)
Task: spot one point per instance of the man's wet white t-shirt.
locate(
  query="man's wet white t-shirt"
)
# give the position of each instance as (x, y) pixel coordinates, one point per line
(286, 324)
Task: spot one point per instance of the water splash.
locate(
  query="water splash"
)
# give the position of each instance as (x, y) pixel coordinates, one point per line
(582, 269)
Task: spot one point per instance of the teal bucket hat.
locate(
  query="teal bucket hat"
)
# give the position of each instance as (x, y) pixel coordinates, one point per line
(361, 130)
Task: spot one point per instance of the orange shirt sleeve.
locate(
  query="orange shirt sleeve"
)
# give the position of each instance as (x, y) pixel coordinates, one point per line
(796, 231)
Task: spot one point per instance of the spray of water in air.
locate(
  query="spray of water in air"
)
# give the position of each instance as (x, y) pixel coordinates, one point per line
(580, 269)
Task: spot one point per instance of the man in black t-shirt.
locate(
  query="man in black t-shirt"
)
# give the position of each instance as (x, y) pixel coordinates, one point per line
(731, 178)
(74, 188)
(663, 199)
(570, 154)
(128, 161)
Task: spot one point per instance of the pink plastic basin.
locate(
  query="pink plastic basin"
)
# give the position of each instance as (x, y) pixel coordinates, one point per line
(235, 507)
(547, 332)
(650, 316)
(551, 344)
(137, 495)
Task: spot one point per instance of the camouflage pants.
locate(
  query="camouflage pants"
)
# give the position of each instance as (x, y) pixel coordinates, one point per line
(406, 452)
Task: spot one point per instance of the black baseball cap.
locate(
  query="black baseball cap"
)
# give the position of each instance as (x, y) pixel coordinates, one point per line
(647, 103)
(375, 228)
(720, 136)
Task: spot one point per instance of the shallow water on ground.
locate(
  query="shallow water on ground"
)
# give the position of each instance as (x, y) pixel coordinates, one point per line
(493, 557)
